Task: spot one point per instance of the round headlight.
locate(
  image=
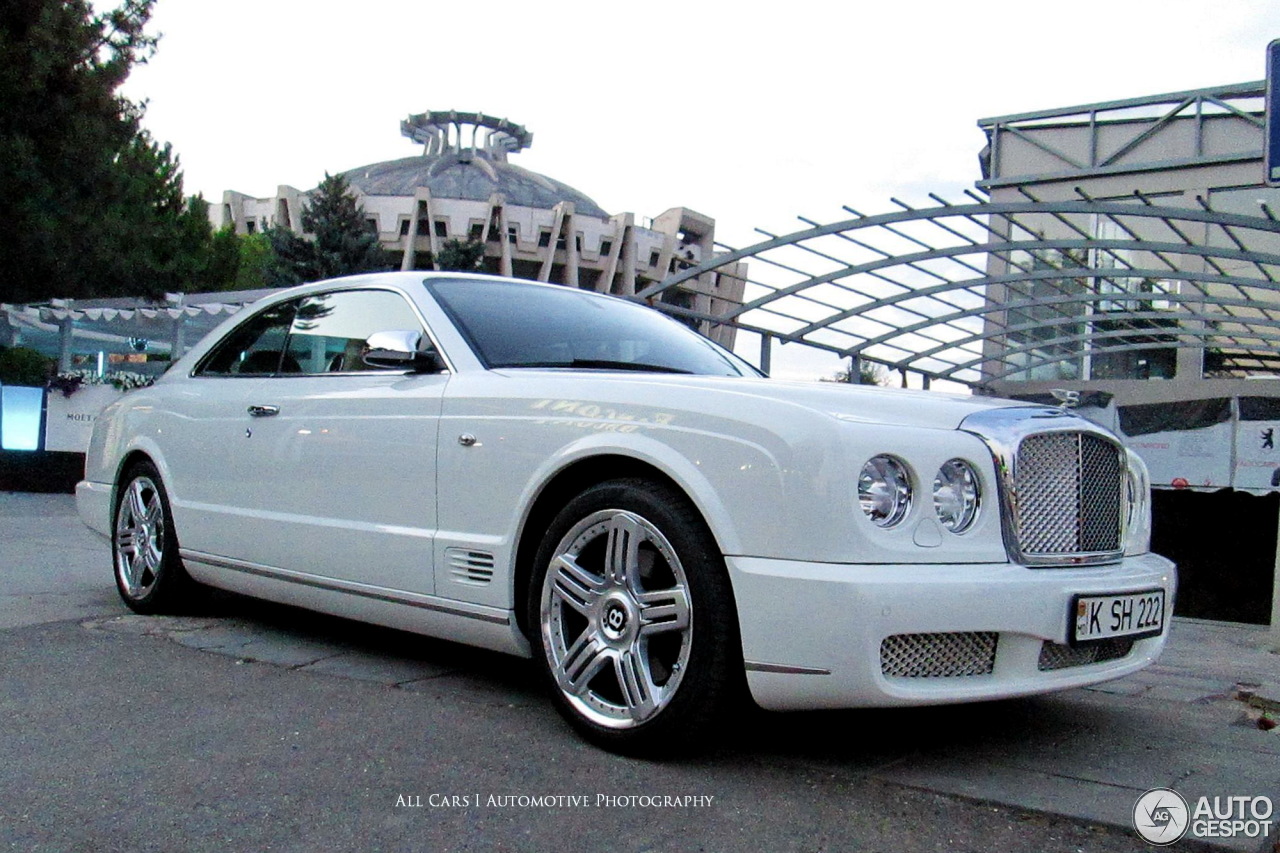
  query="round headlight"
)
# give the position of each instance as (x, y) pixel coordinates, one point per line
(884, 491)
(956, 495)
(1137, 527)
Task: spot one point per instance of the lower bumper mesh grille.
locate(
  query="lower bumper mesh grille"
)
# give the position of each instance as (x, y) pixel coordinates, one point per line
(938, 655)
(1057, 656)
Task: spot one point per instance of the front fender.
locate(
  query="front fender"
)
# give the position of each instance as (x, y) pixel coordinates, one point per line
(694, 479)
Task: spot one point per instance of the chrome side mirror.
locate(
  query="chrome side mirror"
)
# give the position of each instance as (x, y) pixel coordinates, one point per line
(402, 349)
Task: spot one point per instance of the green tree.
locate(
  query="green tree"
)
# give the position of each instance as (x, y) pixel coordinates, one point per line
(868, 374)
(255, 254)
(211, 259)
(461, 256)
(226, 259)
(91, 205)
(24, 366)
(336, 239)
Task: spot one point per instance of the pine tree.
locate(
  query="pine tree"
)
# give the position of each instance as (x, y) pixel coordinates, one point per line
(251, 256)
(90, 204)
(460, 256)
(336, 240)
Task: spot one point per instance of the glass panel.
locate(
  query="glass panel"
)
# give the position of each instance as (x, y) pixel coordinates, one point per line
(254, 348)
(329, 330)
(21, 408)
(521, 325)
(1045, 317)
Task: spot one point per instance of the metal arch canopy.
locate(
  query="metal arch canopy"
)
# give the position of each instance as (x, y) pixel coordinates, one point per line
(986, 290)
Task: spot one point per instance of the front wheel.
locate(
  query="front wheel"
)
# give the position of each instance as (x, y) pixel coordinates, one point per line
(149, 573)
(634, 618)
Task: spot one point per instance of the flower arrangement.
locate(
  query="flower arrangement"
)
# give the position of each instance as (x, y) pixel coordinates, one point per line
(70, 381)
(127, 380)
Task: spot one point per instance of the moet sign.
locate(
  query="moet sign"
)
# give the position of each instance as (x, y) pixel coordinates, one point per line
(69, 420)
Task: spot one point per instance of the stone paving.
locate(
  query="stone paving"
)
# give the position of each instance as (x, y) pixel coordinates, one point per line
(1207, 662)
(1193, 722)
(1190, 722)
(248, 640)
(1185, 723)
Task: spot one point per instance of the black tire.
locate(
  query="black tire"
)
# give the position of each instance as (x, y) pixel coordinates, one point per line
(633, 621)
(149, 573)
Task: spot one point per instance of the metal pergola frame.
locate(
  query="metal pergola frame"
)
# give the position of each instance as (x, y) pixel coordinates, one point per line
(979, 291)
(1138, 119)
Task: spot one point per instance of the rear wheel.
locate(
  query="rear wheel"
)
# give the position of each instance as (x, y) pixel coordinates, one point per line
(149, 573)
(634, 618)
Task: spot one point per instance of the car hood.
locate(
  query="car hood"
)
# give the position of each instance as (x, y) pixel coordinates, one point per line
(856, 403)
(871, 404)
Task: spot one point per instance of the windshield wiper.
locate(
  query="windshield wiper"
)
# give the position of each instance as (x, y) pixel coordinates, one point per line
(604, 364)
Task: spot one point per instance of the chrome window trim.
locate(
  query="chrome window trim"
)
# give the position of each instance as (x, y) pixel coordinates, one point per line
(427, 332)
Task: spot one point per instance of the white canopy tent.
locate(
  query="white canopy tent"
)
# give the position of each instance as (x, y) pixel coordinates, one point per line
(65, 328)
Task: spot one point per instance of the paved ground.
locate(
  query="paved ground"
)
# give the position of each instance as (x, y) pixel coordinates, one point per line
(258, 727)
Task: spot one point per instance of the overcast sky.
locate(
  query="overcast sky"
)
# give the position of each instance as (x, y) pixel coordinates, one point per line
(750, 114)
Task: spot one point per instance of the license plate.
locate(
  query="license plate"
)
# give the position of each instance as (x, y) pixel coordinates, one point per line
(1131, 614)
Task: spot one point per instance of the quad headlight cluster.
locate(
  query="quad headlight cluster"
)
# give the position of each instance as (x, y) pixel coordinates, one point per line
(886, 493)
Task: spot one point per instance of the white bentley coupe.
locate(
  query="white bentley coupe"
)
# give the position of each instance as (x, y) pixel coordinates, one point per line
(577, 478)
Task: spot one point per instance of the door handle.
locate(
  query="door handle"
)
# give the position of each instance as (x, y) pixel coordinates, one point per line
(264, 411)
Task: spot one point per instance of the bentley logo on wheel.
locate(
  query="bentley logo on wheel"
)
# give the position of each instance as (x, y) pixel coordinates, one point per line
(615, 618)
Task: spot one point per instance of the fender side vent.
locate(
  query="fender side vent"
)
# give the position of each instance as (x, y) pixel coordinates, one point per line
(470, 567)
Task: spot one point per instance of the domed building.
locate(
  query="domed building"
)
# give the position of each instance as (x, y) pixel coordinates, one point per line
(462, 187)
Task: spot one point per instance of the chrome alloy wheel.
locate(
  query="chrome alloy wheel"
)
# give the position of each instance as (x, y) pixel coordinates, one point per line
(139, 538)
(616, 619)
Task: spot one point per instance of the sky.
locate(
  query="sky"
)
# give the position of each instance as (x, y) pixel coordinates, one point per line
(752, 114)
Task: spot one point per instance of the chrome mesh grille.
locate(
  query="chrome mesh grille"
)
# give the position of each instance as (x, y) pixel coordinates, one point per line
(1068, 487)
(938, 655)
(1101, 487)
(1057, 656)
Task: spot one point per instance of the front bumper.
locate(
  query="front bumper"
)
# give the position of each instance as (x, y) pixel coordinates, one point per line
(812, 633)
(93, 503)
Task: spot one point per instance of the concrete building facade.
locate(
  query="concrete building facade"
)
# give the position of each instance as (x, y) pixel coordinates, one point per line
(1199, 150)
(463, 187)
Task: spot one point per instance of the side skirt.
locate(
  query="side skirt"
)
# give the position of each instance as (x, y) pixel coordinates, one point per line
(472, 624)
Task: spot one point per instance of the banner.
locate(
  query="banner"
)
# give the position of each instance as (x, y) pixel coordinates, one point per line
(1257, 436)
(69, 420)
(1185, 444)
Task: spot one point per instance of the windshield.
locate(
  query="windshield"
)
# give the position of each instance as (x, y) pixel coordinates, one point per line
(510, 324)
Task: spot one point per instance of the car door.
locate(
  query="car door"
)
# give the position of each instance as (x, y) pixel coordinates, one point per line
(336, 460)
(205, 435)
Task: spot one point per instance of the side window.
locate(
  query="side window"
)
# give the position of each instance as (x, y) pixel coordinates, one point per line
(329, 330)
(255, 347)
